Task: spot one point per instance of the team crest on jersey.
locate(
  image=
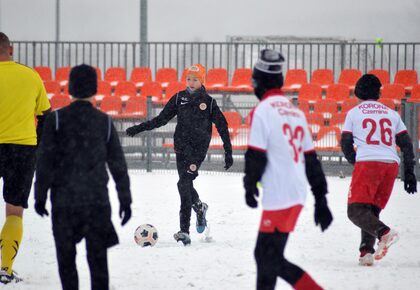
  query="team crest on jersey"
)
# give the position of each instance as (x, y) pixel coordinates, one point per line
(203, 106)
(193, 167)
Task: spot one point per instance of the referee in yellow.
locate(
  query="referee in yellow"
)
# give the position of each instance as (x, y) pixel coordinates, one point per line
(22, 97)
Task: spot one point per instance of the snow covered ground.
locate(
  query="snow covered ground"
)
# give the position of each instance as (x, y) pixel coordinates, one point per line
(227, 263)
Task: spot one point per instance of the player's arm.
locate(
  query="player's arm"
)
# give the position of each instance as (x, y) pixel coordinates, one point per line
(219, 120)
(40, 124)
(403, 141)
(347, 146)
(168, 112)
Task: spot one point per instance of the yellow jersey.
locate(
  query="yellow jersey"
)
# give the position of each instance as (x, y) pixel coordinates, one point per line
(22, 96)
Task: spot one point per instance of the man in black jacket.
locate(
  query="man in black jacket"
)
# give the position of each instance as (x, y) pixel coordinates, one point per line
(78, 142)
(196, 111)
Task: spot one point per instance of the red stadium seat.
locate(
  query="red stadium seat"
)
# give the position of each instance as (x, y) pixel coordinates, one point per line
(136, 107)
(171, 90)
(322, 77)
(52, 88)
(166, 75)
(294, 80)
(141, 75)
(304, 106)
(98, 73)
(394, 91)
(234, 120)
(415, 94)
(349, 77)
(338, 92)
(125, 90)
(184, 75)
(310, 92)
(62, 75)
(217, 79)
(390, 103)
(153, 89)
(348, 105)
(59, 101)
(325, 107)
(241, 80)
(407, 78)
(111, 105)
(381, 74)
(104, 89)
(315, 122)
(114, 75)
(337, 120)
(44, 72)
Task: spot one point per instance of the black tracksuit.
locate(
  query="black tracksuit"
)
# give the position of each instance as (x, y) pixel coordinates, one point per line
(196, 112)
(78, 142)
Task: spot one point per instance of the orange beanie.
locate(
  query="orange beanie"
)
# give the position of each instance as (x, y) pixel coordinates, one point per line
(198, 71)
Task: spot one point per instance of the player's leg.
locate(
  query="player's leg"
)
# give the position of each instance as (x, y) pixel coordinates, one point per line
(98, 265)
(361, 215)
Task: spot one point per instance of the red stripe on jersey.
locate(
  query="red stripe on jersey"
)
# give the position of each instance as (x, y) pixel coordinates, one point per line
(272, 93)
(309, 151)
(251, 116)
(402, 132)
(256, 148)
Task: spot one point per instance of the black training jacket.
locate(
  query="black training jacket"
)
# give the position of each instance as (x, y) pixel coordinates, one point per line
(78, 142)
(195, 113)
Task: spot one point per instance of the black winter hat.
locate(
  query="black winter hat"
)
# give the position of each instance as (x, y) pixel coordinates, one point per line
(268, 71)
(83, 82)
(368, 87)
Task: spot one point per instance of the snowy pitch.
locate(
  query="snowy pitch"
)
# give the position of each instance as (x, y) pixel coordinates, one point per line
(226, 261)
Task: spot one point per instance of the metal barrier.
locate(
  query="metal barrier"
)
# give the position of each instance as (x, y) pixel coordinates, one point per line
(309, 56)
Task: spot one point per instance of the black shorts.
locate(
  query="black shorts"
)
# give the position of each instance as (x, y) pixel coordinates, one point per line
(17, 166)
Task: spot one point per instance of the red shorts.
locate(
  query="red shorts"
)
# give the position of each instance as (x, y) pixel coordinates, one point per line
(372, 182)
(284, 220)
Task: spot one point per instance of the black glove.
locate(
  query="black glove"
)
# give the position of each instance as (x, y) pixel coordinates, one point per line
(410, 183)
(228, 159)
(251, 195)
(323, 215)
(132, 131)
(40, 208)
(125, 213)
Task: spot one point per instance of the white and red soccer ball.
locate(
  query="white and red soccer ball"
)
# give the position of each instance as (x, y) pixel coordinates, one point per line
(146, 235)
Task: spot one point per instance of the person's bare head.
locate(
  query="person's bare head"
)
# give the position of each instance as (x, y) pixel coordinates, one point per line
(5, 47)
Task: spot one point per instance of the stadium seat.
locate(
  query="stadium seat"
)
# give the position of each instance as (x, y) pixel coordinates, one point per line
(294, 80)
(322, 77)
(104, 89)
(52, 88)
(381, 74)
(310, 92)
(325, 107)
(328, 139)
(171, 90)
(315, 122)
(234, 120)
(393, 91)
(153, 89)
(241, 80)
(125, 90)
(304, 106)
(98, 73)
(349, 77)
(337, 120)
(44, 72)
(135, 107)
(407, 78)
(415, 94)
(338, 92)
(184, 76)
(390, 103)
(141, 75)
(62, 75)
(166, 75)
(111, 105)
(348, 105)
(217, 79)
(59, 101)
(113, 75)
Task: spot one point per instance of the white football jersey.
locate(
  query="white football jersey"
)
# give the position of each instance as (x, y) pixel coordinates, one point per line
(280, 129)
(374, 127)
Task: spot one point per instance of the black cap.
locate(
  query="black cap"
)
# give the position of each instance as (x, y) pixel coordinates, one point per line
(368, 87)
(83, 82)
(268, 71)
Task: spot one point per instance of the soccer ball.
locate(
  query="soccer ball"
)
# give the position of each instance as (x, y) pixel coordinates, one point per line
(146, 235)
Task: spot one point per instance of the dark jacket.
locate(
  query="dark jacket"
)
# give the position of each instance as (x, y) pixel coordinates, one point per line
(77, 143)
(195, 113)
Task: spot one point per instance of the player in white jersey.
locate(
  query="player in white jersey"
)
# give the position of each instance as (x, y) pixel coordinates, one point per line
(281, 155)
(375, 130)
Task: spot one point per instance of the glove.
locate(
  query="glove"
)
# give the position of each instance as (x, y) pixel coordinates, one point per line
(132, 131)
(125, 213)
(228, 159)
(40, 208)
(251, 197)
(410, 183)
(323, 216)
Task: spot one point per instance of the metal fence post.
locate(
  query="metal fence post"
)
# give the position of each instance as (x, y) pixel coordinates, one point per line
(409, 115)
(149, 136)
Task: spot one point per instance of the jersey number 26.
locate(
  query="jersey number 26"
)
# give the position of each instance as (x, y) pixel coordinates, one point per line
(386, 132)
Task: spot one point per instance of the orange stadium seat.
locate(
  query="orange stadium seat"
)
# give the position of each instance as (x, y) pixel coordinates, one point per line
(111, 105)
(217, 79)
(153, 89)
(338, 92)
(294, 80)
(349, 77)
(315, 122)
(184, 75)
(234, 120)
(114, 75)
(104, 89)
(310, 92)
(171, 90)
(325, 107)
(415, 94)
(62, 75)
(337, 120)
(141, 75)
(125, 90)
(381, 74)
(59, 101)
(304, 106)
(52, 88)
(44, 72)
(136, 107)
(241, 80)
(166, 75)
(393, 91)
(348, 105)
(407, 78)
(390, 103)
(322, 77)
(98, 73)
